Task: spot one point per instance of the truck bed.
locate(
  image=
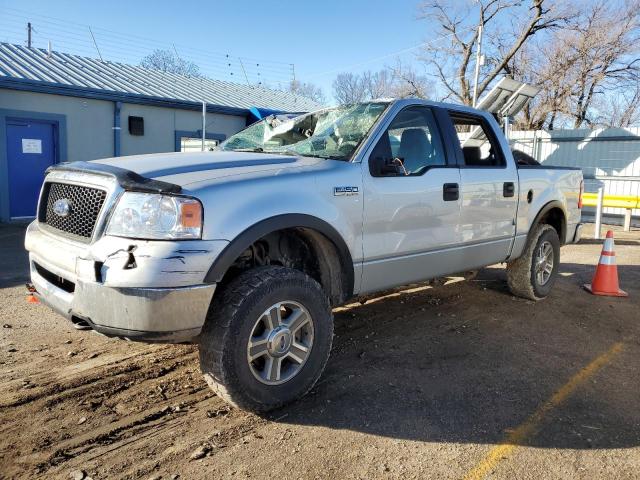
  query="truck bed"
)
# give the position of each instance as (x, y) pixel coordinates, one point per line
(540, 185)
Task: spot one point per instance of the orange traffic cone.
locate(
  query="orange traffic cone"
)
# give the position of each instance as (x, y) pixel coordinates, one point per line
(32, 299)
(605, 280)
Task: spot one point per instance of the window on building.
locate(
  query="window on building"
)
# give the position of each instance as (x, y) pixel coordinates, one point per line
(136, 126)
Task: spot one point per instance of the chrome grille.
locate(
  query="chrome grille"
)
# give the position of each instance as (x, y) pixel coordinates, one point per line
(84, 207)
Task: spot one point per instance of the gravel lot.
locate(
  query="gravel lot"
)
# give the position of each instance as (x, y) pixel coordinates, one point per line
(458, 381)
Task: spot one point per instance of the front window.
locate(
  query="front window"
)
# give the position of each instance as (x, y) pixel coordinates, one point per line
(333, 133)
(410, 146)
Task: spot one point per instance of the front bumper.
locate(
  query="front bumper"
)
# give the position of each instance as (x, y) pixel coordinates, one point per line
(139, 290)
(144, 314)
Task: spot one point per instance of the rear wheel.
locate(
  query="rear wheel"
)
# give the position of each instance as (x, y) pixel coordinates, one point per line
(534, 273)
(267, 338)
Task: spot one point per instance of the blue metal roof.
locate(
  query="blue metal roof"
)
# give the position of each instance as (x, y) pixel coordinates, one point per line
(33, 69)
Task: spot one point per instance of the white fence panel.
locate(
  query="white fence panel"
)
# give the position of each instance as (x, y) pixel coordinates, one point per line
(608, 157)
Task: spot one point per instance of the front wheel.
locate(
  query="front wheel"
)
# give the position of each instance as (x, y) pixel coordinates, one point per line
(534, 273)
(267, 338)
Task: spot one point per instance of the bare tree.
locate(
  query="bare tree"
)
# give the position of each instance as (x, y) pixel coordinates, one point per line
(349, 88)
(603, 53)
(542, 65)
(408, 83)
(376, 84)
(170, 62)
(588, 72)
(399, 81)
(450, 55)
(624, 109)
(307, 89)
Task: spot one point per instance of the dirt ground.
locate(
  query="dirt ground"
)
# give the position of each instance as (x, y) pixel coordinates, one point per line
(458, 381)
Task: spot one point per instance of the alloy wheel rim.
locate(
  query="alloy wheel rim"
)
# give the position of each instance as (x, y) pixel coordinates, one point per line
(280, 342)
(544, 263)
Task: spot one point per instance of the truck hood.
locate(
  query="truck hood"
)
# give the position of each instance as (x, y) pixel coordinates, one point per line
(188, 168)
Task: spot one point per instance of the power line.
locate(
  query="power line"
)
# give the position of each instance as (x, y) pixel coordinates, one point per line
(230, 67)
(382, 57)
(129, 49)
(48, 19)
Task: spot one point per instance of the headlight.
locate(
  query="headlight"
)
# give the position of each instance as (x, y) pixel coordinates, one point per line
(154, 216)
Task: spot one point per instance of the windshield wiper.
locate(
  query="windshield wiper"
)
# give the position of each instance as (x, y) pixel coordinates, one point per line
(255, 150)
(288, 151)
(330, 157)
(284, 151)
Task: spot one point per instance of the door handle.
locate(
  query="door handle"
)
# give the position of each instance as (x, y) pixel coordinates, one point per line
(508, 189)
(450, 192)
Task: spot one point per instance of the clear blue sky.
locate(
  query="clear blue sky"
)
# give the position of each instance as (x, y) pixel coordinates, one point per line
(317, 37)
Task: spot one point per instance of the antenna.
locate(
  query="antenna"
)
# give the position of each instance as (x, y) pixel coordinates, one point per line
(95, 44)
(49, 50)
(29, 34)
(244, 71)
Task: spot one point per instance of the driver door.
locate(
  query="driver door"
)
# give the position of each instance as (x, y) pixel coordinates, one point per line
(411, 203)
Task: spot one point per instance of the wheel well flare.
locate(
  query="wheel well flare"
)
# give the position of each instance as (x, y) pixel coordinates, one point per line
(301, 242)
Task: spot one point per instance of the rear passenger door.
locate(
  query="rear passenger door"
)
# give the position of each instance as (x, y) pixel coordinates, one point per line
(488, 190)
(411, 201)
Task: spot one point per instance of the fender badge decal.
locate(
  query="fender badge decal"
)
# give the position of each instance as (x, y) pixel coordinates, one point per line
(342, 191)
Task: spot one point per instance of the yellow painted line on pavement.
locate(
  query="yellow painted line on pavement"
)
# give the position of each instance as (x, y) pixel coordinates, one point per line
(526, 429)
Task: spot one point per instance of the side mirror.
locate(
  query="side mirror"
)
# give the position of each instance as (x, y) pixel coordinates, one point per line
(386, 167)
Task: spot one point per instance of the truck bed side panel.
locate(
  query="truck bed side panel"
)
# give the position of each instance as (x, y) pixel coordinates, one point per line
(546, 185)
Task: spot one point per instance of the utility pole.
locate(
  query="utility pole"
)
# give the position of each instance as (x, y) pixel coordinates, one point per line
(479, 61)
(29, 34)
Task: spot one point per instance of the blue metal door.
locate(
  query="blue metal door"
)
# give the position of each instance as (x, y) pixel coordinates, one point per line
(31, 149)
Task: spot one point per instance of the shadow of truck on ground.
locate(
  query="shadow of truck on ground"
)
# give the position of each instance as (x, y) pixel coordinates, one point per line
(468, 363)
(14, 260)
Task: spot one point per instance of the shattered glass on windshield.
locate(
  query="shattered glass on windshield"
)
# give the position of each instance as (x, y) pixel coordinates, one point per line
(333, 133)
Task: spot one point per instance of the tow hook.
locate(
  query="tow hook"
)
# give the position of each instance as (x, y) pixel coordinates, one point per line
(31, 298)
(131, 260)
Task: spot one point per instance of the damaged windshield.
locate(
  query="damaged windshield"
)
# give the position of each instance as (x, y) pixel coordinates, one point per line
(333, 133)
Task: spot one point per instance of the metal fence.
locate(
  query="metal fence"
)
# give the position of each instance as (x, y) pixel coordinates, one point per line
(609, 157)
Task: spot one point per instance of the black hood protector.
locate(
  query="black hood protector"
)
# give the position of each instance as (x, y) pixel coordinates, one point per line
(128, 180)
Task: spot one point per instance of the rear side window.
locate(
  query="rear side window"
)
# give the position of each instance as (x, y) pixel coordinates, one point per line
(411, 144)
(479, 146)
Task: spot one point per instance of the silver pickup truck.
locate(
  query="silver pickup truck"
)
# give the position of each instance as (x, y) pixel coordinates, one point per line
(245, 250)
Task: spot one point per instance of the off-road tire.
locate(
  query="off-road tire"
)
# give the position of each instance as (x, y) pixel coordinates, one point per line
(232, 315)
(521, 273)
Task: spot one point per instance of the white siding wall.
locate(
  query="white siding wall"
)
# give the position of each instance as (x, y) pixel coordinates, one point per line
(609, 158)
(90, 123)
(160, 125)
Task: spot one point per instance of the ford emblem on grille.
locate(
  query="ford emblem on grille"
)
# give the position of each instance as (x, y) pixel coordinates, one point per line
(62, 207)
